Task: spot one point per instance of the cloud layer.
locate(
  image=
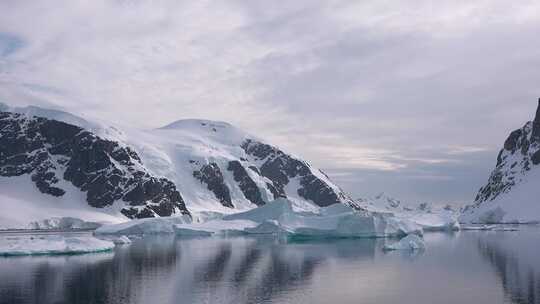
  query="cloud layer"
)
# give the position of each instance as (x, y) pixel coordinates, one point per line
(411, 97)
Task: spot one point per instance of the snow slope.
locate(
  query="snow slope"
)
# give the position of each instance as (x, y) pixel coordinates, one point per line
(179, 149)
(24, 205)
(511, 194)
(519, 205)
(183, 147)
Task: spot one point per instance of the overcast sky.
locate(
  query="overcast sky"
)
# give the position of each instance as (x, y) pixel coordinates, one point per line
(413, 98)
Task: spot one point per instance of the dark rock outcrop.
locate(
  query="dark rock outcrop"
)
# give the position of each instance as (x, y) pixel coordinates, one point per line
(50, 150)
(536, 123)
(246, 183)
(211, 175)
(280, 168)
(316, 190)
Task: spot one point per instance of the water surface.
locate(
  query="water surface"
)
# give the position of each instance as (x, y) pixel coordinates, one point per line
(465, 267)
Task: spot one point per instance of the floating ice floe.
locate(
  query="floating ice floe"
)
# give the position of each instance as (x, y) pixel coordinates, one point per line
(410, 242)
(276, 217)
(482, 227)
(489, 228)
(506, 229)
(51, 245)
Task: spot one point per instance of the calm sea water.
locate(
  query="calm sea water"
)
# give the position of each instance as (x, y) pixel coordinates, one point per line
(464, 267)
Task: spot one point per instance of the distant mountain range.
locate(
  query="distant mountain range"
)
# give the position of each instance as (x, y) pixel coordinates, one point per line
(384, 202)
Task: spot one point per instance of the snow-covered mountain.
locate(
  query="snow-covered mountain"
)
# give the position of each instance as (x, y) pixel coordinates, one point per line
(384, 202)
(226, 169)
(57, 162)
(512, 193)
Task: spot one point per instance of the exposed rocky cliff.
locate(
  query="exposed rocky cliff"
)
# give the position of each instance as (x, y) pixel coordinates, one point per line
(280, 168)
(54, 152)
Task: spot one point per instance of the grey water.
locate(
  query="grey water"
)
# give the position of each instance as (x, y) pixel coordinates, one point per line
(463, 267)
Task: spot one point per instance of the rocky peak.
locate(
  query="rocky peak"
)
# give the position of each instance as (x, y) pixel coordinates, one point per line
(280, 168)
(521, 151)
(536, 123)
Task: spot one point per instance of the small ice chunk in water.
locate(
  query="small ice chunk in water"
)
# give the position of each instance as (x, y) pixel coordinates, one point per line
(410, 242)
(121, 240)
(483, 227)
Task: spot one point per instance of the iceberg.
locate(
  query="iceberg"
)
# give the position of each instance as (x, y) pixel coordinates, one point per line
(274, 210)
(444, 220)
(410, 242)
(276, 217)
(52, 245)
(336, 220)
(268, 227)
(214, 227)
(158, 225)
(121, 240)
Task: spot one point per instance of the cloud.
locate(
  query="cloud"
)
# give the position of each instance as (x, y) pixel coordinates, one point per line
(382, 86)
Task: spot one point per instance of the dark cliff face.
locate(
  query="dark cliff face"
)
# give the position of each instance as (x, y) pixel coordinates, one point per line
(279, 168)
(520, 153)
(211, 175)
(50, 150)
(536, 123)
(245, 182)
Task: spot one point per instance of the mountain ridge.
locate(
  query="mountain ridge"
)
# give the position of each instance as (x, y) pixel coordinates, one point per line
(511, 194)
(208, 166)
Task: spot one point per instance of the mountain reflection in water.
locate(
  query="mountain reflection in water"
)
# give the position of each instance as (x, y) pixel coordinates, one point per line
(466, 267)
(516, 258)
